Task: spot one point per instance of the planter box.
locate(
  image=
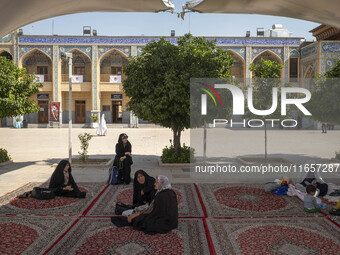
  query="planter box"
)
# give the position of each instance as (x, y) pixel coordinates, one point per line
(160, 163)
(6, 163)
(94, 125)
(258, 161)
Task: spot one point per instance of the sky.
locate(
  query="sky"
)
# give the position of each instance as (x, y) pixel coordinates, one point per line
(160, 24)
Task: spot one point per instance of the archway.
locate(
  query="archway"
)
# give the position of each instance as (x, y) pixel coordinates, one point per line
(238, 68)
(39, 63)
(81, 67)
(6, 54)
(268, 55)
(309, 78)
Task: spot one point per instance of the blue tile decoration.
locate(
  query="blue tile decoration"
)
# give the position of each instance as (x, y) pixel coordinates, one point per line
(286, 63)
(139, 50)
(309, 50)
(15, 48)
(6, 39)
(294, 53)
(94, 76)
(331, 47)
(330, 62)
(85, 49)
(248, 61)
(327, 61)
(256, 51)
(126, 50)
(313, 62)
(23, 49)
(240, 50)
(55, 72)
(7, 48)
(89, 40)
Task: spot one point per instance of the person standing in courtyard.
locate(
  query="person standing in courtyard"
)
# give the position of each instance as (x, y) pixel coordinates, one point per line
(123, 158)
(102, 129)
(62, 182)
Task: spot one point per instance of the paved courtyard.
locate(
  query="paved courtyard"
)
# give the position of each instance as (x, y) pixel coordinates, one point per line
(35, 150)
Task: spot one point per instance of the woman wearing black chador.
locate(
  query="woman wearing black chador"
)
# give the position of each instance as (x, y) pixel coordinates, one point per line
(62, 182)
(123, 158)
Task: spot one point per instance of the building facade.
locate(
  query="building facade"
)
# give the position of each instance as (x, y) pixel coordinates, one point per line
(98, 62)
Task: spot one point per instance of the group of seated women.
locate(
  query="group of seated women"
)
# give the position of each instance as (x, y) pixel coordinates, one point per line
(154, 201)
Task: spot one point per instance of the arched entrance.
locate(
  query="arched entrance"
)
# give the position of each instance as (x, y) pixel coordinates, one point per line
(6, 55)
(237, 70)
(269, 55)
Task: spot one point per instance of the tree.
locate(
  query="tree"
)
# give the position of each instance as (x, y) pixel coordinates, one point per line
(266, 74)
(16, 90)
(158, 81)
(324, 104)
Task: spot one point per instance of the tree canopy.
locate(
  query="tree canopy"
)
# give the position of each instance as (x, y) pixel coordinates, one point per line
(158, 81)
(16, 90)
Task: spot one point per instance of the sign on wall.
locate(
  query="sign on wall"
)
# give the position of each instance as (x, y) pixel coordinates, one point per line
(43, 96)
(54, 111)
(116, 96)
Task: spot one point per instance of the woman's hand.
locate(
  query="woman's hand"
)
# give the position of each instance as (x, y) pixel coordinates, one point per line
(122, 158)
(69, 188)
(128, 153)
(142, 192)
(132, 216)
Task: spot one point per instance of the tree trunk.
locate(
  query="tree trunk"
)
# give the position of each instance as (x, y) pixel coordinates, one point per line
(0, 122)
(177, 139)
(265, 140)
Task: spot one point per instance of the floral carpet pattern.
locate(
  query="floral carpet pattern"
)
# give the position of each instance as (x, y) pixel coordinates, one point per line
(213, 219)
(244, 200)
(10, 204)
(188, 201)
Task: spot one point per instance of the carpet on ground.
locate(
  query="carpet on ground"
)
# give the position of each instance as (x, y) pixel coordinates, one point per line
(293, 236)
(188, 202)
(30, 235)
(10, 204)
(247, 200)
(95, 235)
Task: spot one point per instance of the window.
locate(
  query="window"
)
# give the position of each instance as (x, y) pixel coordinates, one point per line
(293, 69)
(106, 108)
(79, 70)
(42, 70)
(115, 70)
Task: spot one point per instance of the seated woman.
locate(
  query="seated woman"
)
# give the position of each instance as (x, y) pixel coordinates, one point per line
(62, 182)
(143, 188)
(162, 214)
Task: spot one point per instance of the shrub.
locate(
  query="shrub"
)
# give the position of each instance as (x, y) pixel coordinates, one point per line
(4, 155)
(84, 140)
(95, 117)
(169, 155)
(337, 155)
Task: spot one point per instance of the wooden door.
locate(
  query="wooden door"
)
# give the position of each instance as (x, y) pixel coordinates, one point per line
(43, 111)
(80, 112)
(116, 111)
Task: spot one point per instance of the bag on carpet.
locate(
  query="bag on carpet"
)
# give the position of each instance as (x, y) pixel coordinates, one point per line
(121, 207)
(270, 186)
(113, 176)
(42, 193)
(282, 190)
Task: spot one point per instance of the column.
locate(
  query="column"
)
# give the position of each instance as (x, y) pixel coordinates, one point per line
(286, 63)
(95, 84)
(248, 61)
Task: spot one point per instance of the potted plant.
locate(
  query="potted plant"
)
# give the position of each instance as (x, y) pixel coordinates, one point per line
(95, 121)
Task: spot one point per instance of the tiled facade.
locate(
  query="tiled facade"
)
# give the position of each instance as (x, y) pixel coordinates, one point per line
(103, 53)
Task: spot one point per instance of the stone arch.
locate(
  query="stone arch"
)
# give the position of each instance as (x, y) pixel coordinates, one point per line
(111, 63)
(239, 67)
(81, 65)
(309, 78)
(23, 57)
(269, 55)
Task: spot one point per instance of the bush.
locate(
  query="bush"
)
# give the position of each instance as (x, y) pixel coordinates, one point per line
(4, 155)
(84, 141)
(337, 155)
(186, 154)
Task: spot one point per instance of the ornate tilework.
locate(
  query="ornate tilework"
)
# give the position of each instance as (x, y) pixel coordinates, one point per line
(55, 72)
(145, 40)
(309, 50)
(139, 50)
(15, 48)
(94, 76)
(286, 63)
(126, 50)
(6, 38)
(327, 61)
(248, 61)
(294, 53)
(9, 49)
(85, 49)
(26, 48)
(240, 50)
(256, 51)
(331, 47)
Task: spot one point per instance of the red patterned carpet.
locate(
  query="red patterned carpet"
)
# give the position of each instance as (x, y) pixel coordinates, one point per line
(99, 236)
(83, 226)
(188, 201)
(9, 204)
(244, 200)
(291, 236)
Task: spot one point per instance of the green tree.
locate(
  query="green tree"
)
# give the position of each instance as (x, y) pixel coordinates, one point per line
(16, 90)
(324, 104)
(158, 81)
(266, 74)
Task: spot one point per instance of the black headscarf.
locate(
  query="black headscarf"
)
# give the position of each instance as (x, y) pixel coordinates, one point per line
(148, 188)
(58, 180)
(121, 149)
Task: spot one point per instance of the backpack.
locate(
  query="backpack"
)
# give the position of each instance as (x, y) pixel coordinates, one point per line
(113, 176)
(42, 193)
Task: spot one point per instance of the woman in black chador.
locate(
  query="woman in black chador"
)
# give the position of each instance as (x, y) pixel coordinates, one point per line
(143, 188)
(62, 182)
(162, 214)
(123, 158)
